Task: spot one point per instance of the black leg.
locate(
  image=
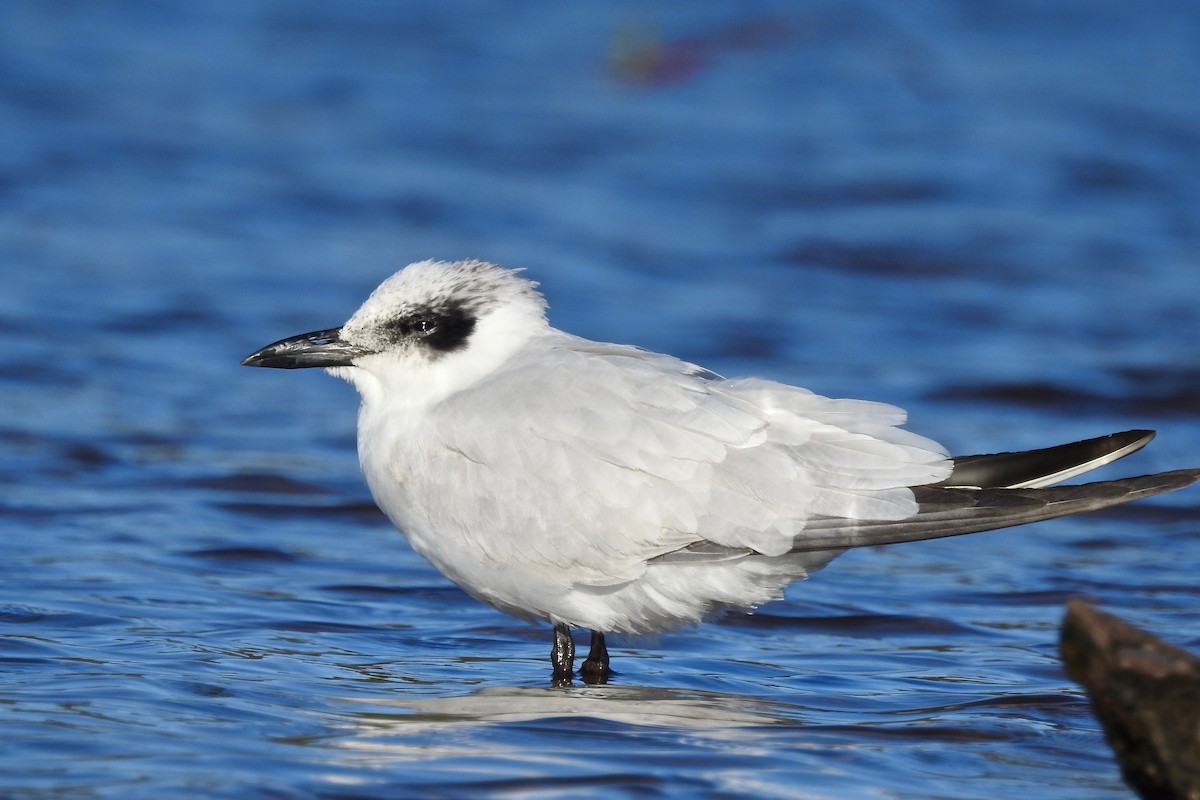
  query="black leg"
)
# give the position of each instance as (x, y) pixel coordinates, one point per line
(595, 667)
(562, 655)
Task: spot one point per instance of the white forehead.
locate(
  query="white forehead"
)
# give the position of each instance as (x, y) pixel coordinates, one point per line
(476, 286)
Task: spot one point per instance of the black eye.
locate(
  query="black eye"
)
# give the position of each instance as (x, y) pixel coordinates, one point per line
(439, 330)
(414, 326)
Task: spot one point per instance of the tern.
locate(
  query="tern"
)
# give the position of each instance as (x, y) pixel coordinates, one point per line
(612, 489)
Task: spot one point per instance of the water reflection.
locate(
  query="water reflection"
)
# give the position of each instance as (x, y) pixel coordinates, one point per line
(625, 705)
(544, 727)
(650, 735)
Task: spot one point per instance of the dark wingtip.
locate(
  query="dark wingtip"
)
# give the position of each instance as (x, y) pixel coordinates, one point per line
(1045, 465)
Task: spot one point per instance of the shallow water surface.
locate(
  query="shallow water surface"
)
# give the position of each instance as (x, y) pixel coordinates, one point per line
(987, 215)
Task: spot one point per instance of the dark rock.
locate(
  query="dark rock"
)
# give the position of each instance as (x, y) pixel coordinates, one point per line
(1146, 694)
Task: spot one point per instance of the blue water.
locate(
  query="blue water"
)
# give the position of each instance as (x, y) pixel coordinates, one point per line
(986, 213)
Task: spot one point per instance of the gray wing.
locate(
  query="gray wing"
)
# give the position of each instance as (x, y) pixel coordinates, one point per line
(593, 459)
(948, 511)
(986, 492)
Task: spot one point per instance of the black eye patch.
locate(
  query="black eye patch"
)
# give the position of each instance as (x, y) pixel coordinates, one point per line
(442, 329)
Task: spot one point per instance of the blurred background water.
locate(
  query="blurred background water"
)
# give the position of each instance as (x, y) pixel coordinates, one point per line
(986, 213)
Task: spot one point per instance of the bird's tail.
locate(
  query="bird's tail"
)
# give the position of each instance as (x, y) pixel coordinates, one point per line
(999, 490)
(951, 511)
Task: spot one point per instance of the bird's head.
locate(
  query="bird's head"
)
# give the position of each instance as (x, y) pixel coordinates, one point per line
(433, 321)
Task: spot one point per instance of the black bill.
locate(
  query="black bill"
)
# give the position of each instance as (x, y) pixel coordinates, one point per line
(317, 349)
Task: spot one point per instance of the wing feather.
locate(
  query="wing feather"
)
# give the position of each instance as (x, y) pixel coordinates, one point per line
(604, 457)
(955, 511)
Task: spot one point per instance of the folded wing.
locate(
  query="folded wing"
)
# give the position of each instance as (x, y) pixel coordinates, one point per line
(947, 511)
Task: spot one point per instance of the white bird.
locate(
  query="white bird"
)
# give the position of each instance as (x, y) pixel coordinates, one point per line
(605, 487)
